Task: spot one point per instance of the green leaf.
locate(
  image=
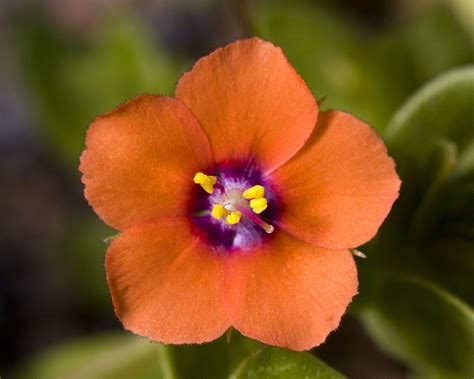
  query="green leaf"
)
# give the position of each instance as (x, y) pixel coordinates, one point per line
(463, 9)
(431, 138)
(278, 363)
(369, 75)
(83, 240)
(429, 211)
(437, 40)
(454, 258)
(321, 43)
(215, 360)
(422, 325)
(124, 356)
(442, 109)
(111, 356)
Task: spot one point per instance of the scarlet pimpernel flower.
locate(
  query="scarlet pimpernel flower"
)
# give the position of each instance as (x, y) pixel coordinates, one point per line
(237, 203)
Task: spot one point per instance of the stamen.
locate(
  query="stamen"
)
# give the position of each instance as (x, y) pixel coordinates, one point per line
(230, 204)
(258, 205)
(255, 192)
(207, 182)
(218, 211)
(255, 219)
(233, 218)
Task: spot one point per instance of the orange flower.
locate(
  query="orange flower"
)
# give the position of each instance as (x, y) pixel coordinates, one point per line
(237, 203)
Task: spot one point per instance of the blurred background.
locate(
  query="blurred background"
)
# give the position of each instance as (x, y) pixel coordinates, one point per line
(63, 63)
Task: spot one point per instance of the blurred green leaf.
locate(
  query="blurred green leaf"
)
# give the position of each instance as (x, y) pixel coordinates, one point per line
(454, 257)
(215, 360)
(71, 80)
(428, 212)
(124, 356)
(321, 43)
(278, 363)
(442, 109)
(430, 232)
(429, 236)
(431, 138)
(424, 326)
(437, 40)
(463, 8)
(111, 356)
(368, 74)
(83, 248)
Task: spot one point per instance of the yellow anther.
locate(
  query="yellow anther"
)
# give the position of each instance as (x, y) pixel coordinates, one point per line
(255, 192)
(258, 205)
(207, 182)
(218, 211)
(233, 218)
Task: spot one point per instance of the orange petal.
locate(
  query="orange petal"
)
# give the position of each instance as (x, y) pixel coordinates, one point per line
(140, 160)
(340, 187)
(290, 293)
(251, 102)
(165, 284)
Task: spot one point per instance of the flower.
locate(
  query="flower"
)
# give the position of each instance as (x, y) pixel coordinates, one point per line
(237, 203)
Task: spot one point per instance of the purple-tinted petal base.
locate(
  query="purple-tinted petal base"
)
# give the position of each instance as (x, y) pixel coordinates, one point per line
(246, 234)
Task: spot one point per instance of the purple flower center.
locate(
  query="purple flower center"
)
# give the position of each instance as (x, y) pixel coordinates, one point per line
(253, 229)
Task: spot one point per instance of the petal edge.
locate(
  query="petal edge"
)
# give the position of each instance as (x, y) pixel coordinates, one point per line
(165, 285)
(135, 156)
(339, 188)
(289, 293)
(251, 103)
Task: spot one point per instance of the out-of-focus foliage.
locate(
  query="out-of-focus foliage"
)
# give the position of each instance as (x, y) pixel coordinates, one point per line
(440, 111)
(276, 363)
(84, 260)
(423, 325)
(122, 356)
(112, 356)
(368, 76)
(214, 360)
(426, 320)
(432, 139)
(71, 80)
(463, 9)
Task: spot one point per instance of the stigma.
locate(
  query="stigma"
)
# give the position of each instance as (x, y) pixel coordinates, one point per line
(233, 204)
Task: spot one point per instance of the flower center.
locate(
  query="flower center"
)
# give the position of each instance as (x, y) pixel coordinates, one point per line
(231, 204)
(234, 207)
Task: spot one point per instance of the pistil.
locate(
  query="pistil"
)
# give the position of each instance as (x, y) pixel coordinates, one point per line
(255, 219)
(232, 204)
